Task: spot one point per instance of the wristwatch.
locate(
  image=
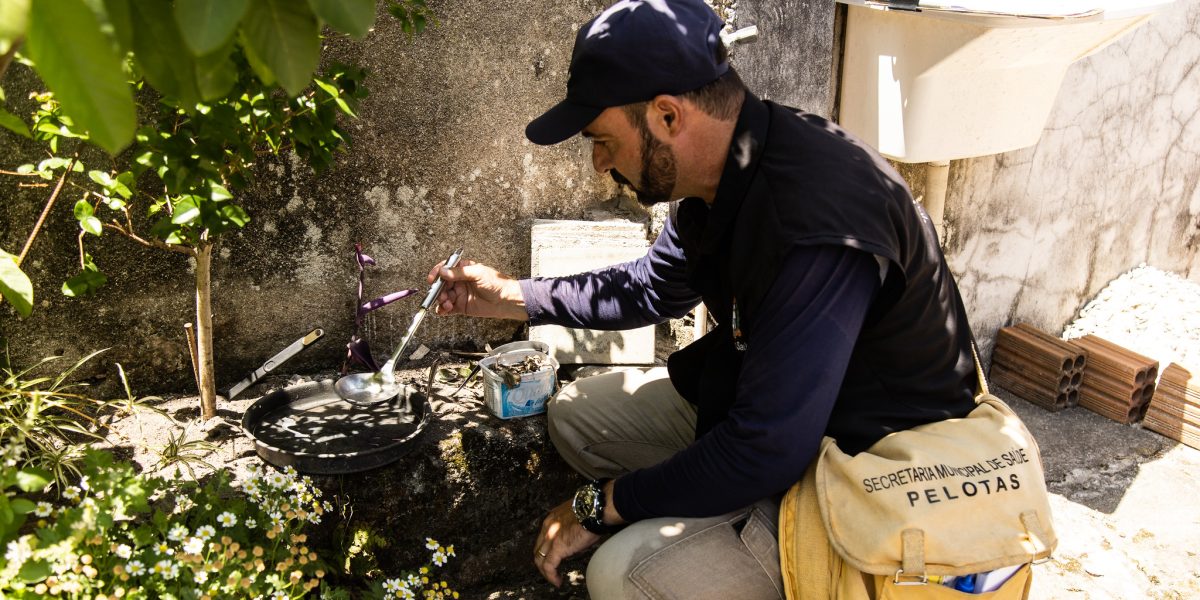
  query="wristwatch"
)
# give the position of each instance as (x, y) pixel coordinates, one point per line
(588, 507)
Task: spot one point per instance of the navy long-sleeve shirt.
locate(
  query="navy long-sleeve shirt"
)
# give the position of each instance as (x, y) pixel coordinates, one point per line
(789, 381)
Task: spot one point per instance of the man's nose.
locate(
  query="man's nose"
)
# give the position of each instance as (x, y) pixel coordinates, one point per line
(601, 161)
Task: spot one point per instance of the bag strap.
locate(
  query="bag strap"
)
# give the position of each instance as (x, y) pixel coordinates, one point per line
(804, 543)
(983, 386)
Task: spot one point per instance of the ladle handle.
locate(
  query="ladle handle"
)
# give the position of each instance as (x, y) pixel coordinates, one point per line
(436, 288)
(390, 366)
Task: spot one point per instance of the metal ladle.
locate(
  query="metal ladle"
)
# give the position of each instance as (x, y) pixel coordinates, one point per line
(372, 388)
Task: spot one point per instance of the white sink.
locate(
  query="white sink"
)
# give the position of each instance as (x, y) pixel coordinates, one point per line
(968, 77)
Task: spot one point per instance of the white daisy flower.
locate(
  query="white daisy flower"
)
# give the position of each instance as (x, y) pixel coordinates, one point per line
(177, 532)
(18, 551)
(123, 551)
(164, 548)
(43, 509)
(193, 545)
(439, 558)
(431, 544)
(250, 523)
(71, 493)
(227, 519)
(166, 569)
(135, 568)
(201, 577)
(206, 531)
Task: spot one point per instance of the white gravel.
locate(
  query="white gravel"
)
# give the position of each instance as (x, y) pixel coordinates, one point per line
(1150, 311)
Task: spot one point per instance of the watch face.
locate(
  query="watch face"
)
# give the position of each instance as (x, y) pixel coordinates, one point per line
(586, 501)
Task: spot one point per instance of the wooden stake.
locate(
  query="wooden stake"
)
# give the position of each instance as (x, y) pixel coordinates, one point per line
(191, 342)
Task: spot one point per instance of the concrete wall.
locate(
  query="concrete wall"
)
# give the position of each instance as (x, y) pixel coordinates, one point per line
(1034, 234)
(439, 160)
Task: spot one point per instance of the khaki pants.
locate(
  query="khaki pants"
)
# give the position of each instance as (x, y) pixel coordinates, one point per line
(613, 423)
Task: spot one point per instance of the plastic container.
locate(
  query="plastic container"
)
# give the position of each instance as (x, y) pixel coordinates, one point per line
(527, 397)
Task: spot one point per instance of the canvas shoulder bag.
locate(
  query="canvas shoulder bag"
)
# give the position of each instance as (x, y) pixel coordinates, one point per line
(950, 498)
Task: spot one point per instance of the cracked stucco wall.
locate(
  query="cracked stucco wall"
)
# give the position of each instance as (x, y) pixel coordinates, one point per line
(1114, 182)
(438, 160)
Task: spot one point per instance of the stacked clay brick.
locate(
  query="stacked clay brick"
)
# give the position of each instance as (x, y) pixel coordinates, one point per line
(1175, 408)
(1038, 367)
(1118, 383)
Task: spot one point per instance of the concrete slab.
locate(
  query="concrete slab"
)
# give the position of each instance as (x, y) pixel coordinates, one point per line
(1126, 505)
(569, 247)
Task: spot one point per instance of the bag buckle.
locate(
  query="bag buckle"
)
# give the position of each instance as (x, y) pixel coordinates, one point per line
(921, 579)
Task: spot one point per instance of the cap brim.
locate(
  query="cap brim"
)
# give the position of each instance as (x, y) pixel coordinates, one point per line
(562, 121)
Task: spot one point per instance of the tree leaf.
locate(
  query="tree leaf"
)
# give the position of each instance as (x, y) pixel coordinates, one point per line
(123, 184)
(83, 208)
(15, 285)
(22, 506)
(14, 17)
(219, 192)
(12, 122)
(284, 34)
(207, 24)
(92, 225)
(234, 214)
(85, 282)
(34, 571)
(76, 61)
(159, 50)
(186, 210)
(354, 17)
(120, 15)
(99, 177)
(32, 480)
(259, 67)
(215, 74)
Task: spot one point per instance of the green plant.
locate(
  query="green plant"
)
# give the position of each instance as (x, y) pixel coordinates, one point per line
(119, 534)
(111, 532)
(43, 418)
(182, 452)
(216, 67)
(194, 159)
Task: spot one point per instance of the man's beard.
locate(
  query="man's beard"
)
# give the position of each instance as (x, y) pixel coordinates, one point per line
(658, 171)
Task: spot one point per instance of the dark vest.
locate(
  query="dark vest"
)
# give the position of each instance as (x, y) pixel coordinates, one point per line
(795, 179)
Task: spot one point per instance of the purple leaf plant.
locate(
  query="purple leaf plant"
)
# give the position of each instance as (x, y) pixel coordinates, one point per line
(358, 350)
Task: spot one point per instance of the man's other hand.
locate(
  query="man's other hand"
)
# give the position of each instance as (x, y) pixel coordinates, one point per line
(561, 538)
(478, 290)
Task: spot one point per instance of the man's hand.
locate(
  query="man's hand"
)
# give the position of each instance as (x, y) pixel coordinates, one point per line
(478, 290)
(562, 535)
(561, 538)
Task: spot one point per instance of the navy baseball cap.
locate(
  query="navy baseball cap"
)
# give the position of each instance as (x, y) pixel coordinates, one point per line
(632, 52)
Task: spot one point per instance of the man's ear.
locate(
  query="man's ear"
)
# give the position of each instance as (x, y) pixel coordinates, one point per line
(665, 115)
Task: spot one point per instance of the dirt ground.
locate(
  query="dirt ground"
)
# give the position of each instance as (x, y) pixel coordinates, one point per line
(1126, 500)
